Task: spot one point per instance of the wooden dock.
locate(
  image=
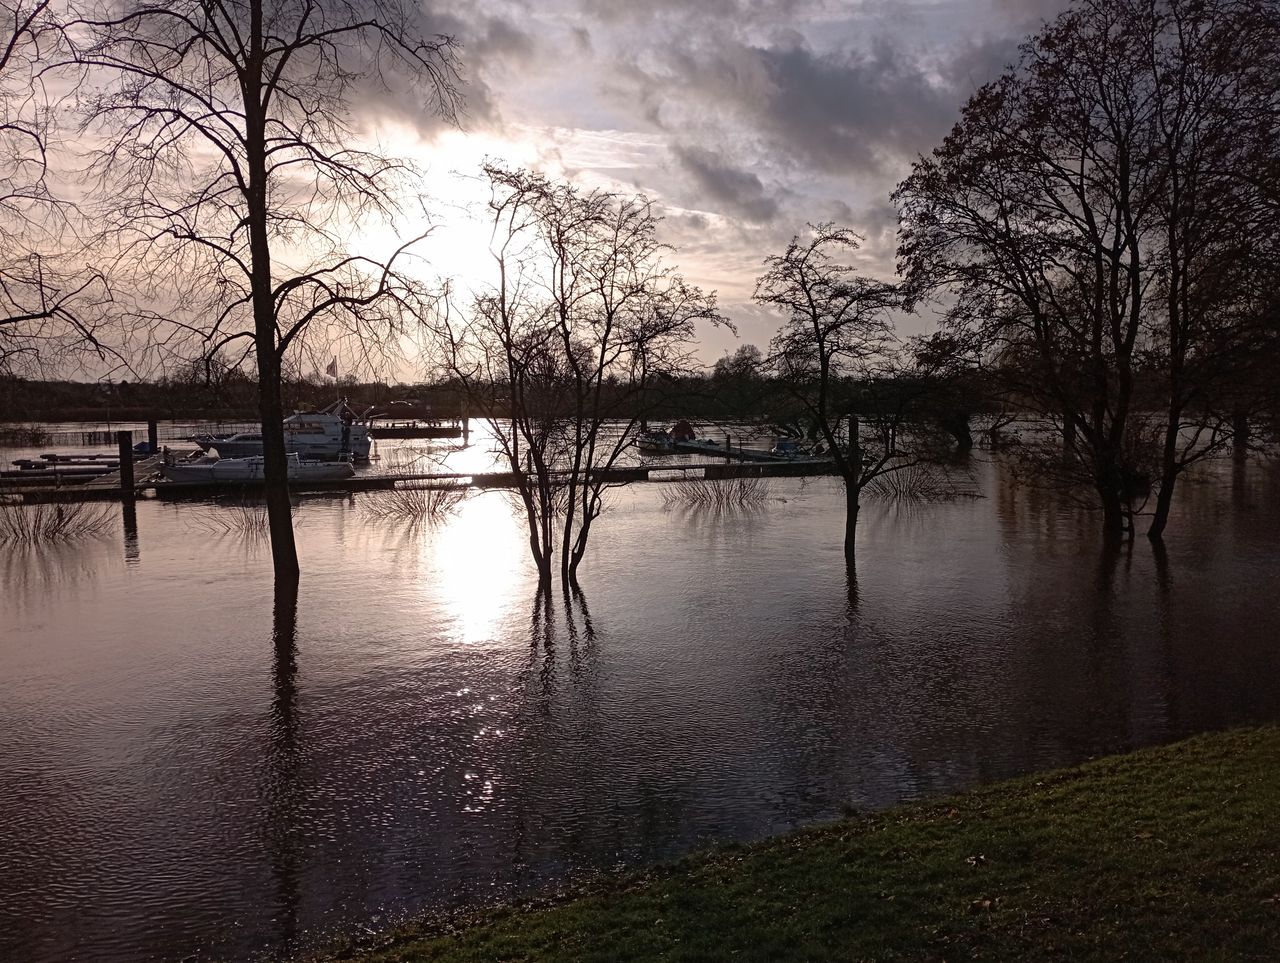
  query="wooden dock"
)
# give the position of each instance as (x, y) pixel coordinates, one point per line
(108, 486)
(730, 451)
(142, 469)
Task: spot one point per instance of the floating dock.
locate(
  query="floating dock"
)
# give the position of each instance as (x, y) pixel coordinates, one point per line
(727, 450)
(107, 488)
(128, 475)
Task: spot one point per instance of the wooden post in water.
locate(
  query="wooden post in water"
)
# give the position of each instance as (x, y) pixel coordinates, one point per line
(153, 437)
(124, 440)
(129, 516)
(727, 445)
(1240, 432)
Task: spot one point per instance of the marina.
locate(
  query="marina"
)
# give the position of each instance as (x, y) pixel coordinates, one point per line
(177, 472)
(95, 487)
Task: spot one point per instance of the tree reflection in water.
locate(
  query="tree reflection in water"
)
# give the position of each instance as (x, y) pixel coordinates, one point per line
(284, 792)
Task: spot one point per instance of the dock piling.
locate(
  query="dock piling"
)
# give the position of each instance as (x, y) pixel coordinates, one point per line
(153, 437)
(124, 439)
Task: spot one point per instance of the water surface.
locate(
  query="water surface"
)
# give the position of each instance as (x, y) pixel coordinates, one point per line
(194, 768)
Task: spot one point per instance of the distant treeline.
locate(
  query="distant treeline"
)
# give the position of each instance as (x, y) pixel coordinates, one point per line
(233, 398)
(729, 393)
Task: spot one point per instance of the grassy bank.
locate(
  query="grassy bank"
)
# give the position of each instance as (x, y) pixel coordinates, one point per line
(1169, 853)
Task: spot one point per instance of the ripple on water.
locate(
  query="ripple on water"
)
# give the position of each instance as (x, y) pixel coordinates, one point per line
(179, 783)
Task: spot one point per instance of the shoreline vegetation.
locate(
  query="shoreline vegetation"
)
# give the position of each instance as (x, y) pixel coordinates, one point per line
(1169, 853)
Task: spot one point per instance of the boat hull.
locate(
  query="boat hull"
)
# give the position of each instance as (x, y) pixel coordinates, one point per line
(656, 443)
(317, 448)
(250, 470)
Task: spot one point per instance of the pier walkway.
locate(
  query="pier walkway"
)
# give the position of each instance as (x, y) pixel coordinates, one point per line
(107, 487)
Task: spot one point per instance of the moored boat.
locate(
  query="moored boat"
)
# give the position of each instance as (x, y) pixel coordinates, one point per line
(212, 471)
(409, 419)
(240, 445)
(656, 442)
(414, 429)
(332, 433)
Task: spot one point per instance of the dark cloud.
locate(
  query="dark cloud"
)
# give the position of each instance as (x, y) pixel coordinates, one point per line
(840, 112)
(854, 110)
(729, 187)
(838, 211)
(1030, 13)
(722, 11)
(487, 48)
(493, 38)
(688, 221)
(878, 225)
(975, 64)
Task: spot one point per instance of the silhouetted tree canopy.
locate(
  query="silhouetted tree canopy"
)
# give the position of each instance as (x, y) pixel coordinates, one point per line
(574, 344)
(1099, 221)
(837, 357)
(51, 303)
(231, 155)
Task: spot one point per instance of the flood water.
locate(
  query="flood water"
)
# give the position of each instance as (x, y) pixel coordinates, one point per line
(193, 768)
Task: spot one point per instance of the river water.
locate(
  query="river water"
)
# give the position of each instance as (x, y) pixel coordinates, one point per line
(195, 769)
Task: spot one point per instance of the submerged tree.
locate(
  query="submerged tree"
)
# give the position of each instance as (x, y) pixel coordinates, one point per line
(1087, 218)
(1215, 84)
(567, 353)
(229, 143)
(836, 355)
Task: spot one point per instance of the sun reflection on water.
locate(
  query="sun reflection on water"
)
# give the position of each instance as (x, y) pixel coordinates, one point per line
(477, 560)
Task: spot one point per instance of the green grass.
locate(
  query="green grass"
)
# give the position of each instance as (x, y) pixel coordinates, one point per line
(1165, 854)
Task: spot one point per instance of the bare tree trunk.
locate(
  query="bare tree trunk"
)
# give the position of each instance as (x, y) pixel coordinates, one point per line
(546, 516)
(540, 558)
(956, 424)
(284, 552)
(1113, 511)
(1164, 501)
(579, 550)
(852, 486)
(537, 501)
(851, 493)
(566, 533)
(1240, 432)
(1168, 478)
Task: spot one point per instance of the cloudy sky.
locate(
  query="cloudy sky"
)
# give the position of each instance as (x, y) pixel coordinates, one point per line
(743, 119)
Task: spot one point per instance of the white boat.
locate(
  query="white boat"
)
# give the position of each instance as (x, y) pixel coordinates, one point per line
(213, 471)
(798, 449)
(331, 433)
(656, 442)
(231, 446)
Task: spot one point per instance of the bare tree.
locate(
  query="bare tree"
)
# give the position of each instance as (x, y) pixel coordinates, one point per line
(1215, 82)
(50, 303)
(562, 356)
(1081, 219)
(837, 356)
(228, 142)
